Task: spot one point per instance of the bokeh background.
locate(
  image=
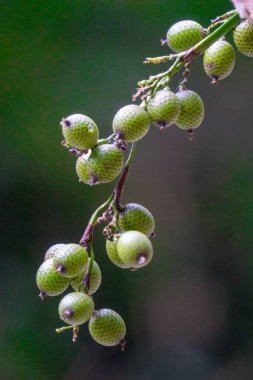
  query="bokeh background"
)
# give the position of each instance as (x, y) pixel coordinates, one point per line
(189, 314)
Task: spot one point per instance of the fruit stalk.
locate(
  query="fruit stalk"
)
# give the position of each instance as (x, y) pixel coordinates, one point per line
(114, 199)
(118, 190)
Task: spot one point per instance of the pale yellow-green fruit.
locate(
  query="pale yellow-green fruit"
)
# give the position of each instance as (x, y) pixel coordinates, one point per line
(131, 123)
(135, 249)
(101, 165)
(76, 308)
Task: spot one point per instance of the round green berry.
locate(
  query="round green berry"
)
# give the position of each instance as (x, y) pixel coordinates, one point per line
(131, 123)
(80, 131)
(136, 217)
(219, 60)
(164, 108)
(192, 109)
(243, 37)
(50, 282)
(95, 279)
(54, 250)
(71, 261)
(101, 165)
(135, 249)
(184, 34)
(76, 308)
(107, 327)
(112, 253)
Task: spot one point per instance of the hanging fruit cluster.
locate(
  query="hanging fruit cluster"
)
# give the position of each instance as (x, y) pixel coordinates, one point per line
(129, 227)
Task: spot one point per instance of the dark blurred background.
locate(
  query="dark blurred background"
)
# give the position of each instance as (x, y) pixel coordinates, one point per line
(189, 314)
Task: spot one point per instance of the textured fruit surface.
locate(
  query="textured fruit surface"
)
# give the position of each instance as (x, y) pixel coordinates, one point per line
(131, 123)
(192, 109)
(136, 217)
(219, 60)
(107, 327)
(183, 35)
(53, 250)
(112, 253)
(243, 37)
(102, 165)
(164, 108)
(80, 131)
(95, 279)
(135, 249)
(49, 281)
(71, 261)
(76, 308)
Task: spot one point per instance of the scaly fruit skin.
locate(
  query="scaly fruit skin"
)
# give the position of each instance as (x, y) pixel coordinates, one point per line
(107, 327)
(219, 60)
(164, 108)
(135, 249)
(192, 109)
(95, 279)
(76, 308)
(54, 250)
(112, 253)
(49, 281)
(71, 261)
(131, 123)
(243, 37)
(80, 131)
(101, 165)
(183, 35)
(136, 217)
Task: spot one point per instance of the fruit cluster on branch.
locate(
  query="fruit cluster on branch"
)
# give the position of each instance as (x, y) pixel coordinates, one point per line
(129, 227)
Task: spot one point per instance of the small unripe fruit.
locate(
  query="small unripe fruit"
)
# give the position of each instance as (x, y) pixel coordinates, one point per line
(76, 308)
(243, 37)
(107, 327)
(49, 281)
(219, 60)
(101, 165)
(183, 35)
(80, 131)
(135, 249)
(71, 261)
(131, 123)
(164, 108)
(95, 279)
(112, 253)
(192, 109)
(54, 250)
(136, 217)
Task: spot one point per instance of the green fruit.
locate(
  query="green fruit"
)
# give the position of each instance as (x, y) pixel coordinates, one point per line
(136, 217)
(95, 279)
(131, 123)
(164, 108)
(219, 60)
(107, 327)
(102, 165)
(76, 308)
(53, 250)
(49, 281)
(80, 131)
(71, 261)
(184, 34)
(192, 109)
(112, 253)
(135, 249)
(243, 37)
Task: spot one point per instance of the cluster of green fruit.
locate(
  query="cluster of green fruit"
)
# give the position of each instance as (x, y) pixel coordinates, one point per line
(69, 264)
(100, 161)
(219, 58)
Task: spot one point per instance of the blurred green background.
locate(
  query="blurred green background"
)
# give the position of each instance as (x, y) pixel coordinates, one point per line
(189, 314)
